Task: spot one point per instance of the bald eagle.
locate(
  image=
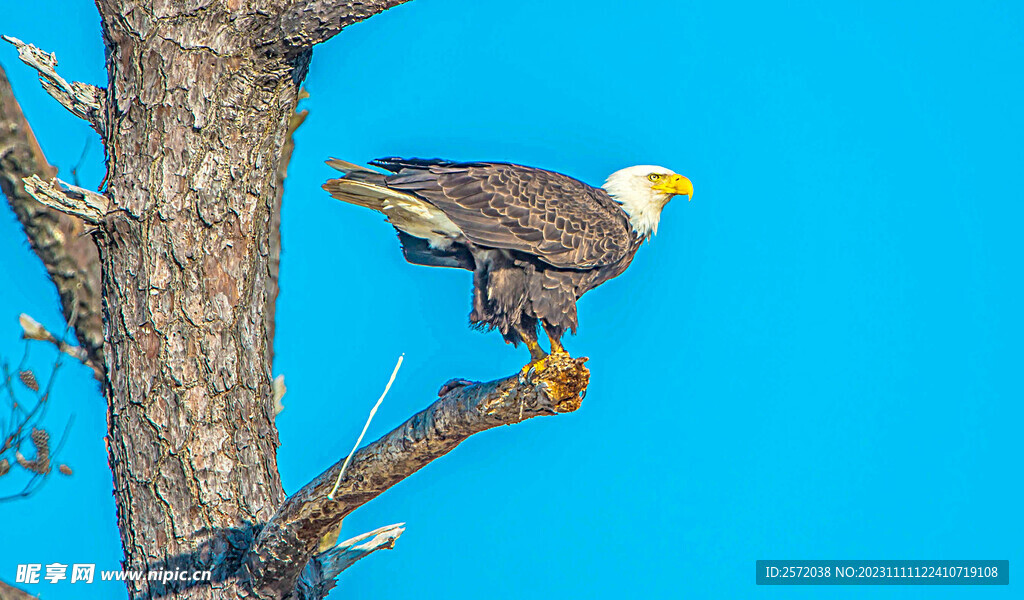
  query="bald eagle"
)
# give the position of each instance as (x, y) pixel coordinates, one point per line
(535, 240)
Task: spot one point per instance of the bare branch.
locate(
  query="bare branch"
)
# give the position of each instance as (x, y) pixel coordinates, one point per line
(33, 330)
(308, 22)
(82, 99)
(70, 256)
(321, 573)
(290, 539)
(346, 553)
(85, 204)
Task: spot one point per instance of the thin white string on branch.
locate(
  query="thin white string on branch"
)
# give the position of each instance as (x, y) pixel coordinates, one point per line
(365, 427)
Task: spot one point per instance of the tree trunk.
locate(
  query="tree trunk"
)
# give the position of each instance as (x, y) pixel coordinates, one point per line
(197, 119)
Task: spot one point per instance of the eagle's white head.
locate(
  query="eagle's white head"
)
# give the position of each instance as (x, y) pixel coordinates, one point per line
(643, 191)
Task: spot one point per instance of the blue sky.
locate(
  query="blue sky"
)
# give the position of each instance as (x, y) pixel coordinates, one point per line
(819, 357)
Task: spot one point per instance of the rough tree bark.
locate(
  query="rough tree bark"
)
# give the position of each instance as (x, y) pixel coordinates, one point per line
(198, 106)
(195, 120)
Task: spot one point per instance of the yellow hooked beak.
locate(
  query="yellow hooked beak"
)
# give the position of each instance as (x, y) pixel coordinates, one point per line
(675, 185)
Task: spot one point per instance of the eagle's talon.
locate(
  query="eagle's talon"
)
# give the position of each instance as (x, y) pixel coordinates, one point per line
(454, 384)
(526, 373)
(532, 369)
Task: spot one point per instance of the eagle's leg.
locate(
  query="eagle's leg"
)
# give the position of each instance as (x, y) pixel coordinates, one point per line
(555, 337)
(527, 330)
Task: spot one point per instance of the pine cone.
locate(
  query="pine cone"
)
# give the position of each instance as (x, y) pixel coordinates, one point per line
(41, 441)
(29, 379)
(41, 463)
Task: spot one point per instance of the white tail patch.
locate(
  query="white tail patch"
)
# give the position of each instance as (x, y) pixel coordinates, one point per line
(405, 211)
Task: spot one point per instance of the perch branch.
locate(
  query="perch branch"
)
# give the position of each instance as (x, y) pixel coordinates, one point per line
(70, 257)
(321, 573)
(82, 99)
(290, 538)
(85, 204)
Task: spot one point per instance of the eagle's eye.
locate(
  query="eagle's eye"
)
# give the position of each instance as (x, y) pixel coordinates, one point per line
(654, 177)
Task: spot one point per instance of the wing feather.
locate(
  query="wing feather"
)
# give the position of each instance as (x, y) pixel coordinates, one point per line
(556, 218)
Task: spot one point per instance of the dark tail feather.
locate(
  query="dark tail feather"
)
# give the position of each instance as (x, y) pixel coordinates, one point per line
(418, 252)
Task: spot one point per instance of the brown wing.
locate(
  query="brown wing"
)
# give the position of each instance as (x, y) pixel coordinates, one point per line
(560, 220)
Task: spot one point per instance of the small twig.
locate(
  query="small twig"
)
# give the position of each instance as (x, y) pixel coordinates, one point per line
(279, 390)
(344, 554)
(85, 204)
(33, 330)
(33, 484)
(322, 571)
(81, 161)
(27, 427)
(373, 412)
(63, 437)
(8, 377)
(82, 99)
